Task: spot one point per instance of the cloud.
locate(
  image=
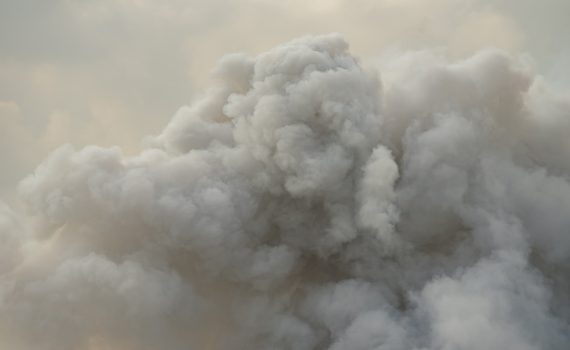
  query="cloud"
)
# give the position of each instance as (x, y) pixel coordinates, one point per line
(118, 69)
(306, 202)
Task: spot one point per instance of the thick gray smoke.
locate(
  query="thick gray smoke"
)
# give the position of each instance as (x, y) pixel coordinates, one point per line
(304, 203)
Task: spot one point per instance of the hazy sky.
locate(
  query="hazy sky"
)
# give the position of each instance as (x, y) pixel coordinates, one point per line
(408, 192)
(110, 72)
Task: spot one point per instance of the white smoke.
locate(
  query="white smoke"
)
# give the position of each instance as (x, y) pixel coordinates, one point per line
(303, 204)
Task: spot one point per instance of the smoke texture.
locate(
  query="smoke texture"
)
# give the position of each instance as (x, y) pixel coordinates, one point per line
(304, 202)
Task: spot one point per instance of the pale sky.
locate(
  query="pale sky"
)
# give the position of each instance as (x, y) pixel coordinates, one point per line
(110, 72)
(413, 197)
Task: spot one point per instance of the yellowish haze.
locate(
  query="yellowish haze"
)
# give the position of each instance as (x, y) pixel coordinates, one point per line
(109, 72)
(407, 192)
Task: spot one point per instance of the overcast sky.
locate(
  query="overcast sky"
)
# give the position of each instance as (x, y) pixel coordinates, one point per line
(413, 197)
(110, 72)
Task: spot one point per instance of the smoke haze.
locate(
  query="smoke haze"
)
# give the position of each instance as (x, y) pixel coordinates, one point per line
(306, 202)
(109, 72)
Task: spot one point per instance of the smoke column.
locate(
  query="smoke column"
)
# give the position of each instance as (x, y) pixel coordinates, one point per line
(304, 202)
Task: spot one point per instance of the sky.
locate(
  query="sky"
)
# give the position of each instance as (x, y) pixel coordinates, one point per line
(111, 72)
(288, 175)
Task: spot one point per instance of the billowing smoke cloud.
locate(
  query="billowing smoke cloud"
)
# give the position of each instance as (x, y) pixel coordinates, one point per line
(305, 203)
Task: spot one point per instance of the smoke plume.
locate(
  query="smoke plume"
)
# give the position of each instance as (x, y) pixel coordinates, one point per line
(304, 202)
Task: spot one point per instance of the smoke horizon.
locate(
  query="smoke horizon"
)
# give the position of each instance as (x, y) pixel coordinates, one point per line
(304, 202)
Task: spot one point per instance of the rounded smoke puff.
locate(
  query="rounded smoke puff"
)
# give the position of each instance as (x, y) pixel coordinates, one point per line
(301, 204)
